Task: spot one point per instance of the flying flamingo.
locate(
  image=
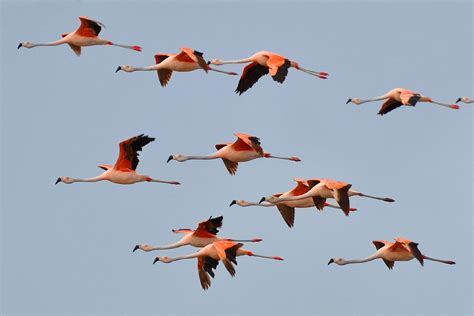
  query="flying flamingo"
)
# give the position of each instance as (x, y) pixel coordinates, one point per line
(187, 60)
(400, 250)
(263, 63)
(203, 235)
(209, 257)
(123, 172)
(287, 209)
(398, 97)
(464, 100)
(245, 148)
(322, 189)
(85, 35)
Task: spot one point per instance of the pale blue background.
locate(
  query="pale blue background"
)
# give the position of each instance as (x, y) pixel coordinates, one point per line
(66, 250)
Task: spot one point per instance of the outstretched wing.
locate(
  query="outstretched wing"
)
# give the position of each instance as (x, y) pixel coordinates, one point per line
(389, 105)
(164, 75)
(128, 155)
(210, 226)
(416, 252)
(189, 55)
(278, 67)
(88, 27)
(205, 266)
(245, 141)
(288, 214)
(250, 75)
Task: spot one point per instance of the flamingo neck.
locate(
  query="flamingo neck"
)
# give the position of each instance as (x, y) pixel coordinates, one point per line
(239, 61)
(383, 97)
(170, 246)
(95, 179)
(55, 43)
(191, 256)
(147, 68)
(207, 157)
(351, 261)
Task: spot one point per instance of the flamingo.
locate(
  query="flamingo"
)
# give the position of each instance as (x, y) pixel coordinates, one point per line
(262, 63)
(245, 148)
(86, 35)
(465, 100)
(209, 257)
(322, 189)
(400, 250)
(398, 97)
(187, 60)
(287, 209)
(123, 172)
(203, 235)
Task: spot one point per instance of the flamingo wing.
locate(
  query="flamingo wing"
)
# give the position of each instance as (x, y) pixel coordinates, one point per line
(380, 243)
(210, 226)
(128, 155)
(189, 55)
(342, 198)
(409, 97)
(278, 67)
(164, 75)
(88, 27)
(301, 188)
(220, 146)
(249, 141)
(389, 105)
(205, 266)
(413, 246)
(231, 166)
(288, 214)
(250, 75)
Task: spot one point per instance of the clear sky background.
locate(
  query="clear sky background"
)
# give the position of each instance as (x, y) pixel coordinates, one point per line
(67, 249)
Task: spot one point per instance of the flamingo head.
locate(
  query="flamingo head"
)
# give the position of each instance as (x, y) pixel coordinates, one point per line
(239, 203)
(464, 99)
(215, 62)
(271, 199)
(177, 157)
(66, 180)
(126, 68)
(143, 247)
(338, 261)
(26, 45)
(162, 259)
(354, 100)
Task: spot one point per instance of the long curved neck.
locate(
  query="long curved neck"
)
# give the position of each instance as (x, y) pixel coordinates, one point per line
(369, 258)
(382, 97)
(245, 204)
(55, 43)
(239, 61)
(207, 157)
(191, 256)
(95, 179)
(170, 246)
(147, 68)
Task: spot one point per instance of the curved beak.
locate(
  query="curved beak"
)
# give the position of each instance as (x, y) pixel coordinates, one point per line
(208, 62)
(118, 69)
(57, 181)
(232, 203)
(169, 158)
(19, 45)
(348, 101)
(156, 260)
(261, 200)
(136, 247)
(330, 261)
(458, 100)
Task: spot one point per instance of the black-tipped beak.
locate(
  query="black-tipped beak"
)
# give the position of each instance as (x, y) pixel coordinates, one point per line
(57, 181)
(348, 101)
(156, 260)
(232, 203)
(135, 248)
(118, 69)
(261, 200)
(19, 45)
(458, 100)
(208, 62)
(169, 158)
(330, 261)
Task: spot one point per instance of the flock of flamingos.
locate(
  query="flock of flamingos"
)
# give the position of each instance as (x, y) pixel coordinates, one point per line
(307, 192)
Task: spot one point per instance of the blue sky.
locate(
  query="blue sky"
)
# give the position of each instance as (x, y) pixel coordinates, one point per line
(66, 250)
